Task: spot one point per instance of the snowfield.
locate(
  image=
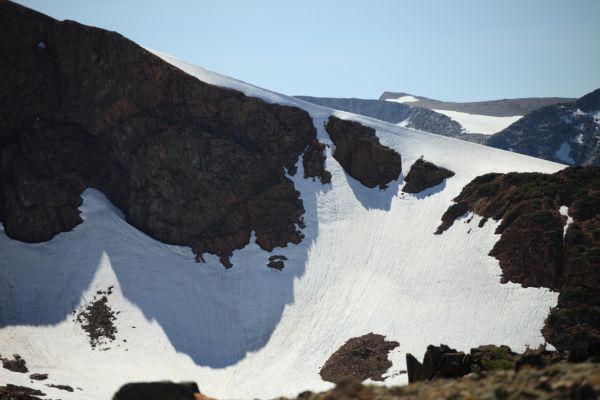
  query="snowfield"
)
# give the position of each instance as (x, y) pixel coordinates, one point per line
(476, 123)
(369, 263)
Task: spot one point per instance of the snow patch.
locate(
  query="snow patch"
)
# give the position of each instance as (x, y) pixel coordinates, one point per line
(563, 153)
(476, 123)
(564, 211)
(403, 99)
(41, 45)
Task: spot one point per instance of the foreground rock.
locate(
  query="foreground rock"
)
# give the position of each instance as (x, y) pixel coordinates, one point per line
(188, 163)
(557, 381)
(358, 150)
(157, 391)
(424, 175)
(361, 358)
(538, 247)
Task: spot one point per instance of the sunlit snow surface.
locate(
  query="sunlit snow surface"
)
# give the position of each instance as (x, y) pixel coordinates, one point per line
(484, 124)
(369, 263)
(404, 99)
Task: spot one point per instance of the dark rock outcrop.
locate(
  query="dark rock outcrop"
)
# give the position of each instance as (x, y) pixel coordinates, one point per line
(38, 377)
(14, 392)
(364, 357)
(589, 102)
(533, 252)
(423, 175)
(358, 150)
(438, 362)
(565, 133)
(277, 262)
(16, 364)
(188, 163)
(157, 391)
(66, 388)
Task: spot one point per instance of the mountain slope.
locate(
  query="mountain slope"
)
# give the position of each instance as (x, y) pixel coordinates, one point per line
(496, 108)
(567, 133)
(368, 262)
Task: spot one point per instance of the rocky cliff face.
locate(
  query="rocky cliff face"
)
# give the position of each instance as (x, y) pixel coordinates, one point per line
(188, 163)
(567, 133)
(545, 244)
(358, 150)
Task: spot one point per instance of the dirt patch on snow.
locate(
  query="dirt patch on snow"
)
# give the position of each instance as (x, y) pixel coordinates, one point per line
(97, 319)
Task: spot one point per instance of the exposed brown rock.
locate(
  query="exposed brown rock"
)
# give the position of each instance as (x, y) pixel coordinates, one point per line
(16, 364)
(532, 251)
(38, 377)
(358, 150)
(188, 163)
(423, 175)
(364, 357)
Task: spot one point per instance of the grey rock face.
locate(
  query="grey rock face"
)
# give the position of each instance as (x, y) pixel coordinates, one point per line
(561, 133)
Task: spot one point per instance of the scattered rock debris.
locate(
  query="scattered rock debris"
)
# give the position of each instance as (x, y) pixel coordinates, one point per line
(97, 319)
(277, 262)
(17, 364)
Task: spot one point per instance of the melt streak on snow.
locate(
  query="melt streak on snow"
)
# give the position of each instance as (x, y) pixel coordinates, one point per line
(476, 123)
(369, 263)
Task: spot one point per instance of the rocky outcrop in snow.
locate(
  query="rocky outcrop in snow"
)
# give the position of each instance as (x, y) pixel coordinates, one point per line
(188, 163)
(364, 357)
(358, 150)
(532, 250)
(423, 175)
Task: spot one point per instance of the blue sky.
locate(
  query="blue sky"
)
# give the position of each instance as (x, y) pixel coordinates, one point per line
(451, 50)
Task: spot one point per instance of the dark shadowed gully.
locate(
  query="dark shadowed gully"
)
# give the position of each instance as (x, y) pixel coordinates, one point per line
(188, 163)
(534, 251)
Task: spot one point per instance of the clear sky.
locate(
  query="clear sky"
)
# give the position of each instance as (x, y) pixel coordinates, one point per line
(451, 50)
